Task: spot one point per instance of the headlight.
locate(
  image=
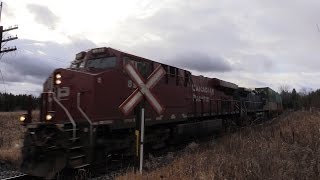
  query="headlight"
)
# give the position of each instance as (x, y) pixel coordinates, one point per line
(49, 117)
(58, 76)
(58, 81)
(22, 118)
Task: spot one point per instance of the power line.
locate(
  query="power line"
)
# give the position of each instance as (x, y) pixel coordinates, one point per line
(7, 39)
(3, 42)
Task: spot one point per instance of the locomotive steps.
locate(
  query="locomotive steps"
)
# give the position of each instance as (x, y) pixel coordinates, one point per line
(77, 154)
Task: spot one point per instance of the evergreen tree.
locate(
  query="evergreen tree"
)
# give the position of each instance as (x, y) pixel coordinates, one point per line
(11, 102)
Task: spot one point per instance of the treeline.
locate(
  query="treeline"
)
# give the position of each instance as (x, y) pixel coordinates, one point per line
(11, 102)
(299, 100)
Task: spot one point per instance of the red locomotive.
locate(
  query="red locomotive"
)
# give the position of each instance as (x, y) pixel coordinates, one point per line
(80, 122)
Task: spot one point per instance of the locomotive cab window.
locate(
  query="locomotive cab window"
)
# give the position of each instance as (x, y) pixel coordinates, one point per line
(102, 63)
(142, 67)
(172, 71)
(187, 79)
(81, 65)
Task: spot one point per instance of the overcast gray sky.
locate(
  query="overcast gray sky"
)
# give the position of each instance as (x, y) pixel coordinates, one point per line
(249, 42)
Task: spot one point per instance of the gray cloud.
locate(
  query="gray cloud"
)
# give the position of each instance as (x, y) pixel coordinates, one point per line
(23, 67)
(202, 63)
(272, 41)
(43, 15)
(255, 63)
(263, 43)
(81, 43)
(57, 53)
(7, 11)
(35, 61)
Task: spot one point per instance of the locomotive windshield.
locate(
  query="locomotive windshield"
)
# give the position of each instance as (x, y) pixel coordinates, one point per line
(77, 64)
(102, 63)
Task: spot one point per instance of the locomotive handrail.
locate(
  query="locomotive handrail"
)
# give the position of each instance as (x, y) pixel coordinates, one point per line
(85, 116)
(240, 106)
(74, 126)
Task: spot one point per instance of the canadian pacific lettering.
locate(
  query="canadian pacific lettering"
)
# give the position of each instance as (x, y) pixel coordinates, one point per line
(200, 89)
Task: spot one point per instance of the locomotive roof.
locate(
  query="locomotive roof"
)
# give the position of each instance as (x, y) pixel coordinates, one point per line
(139, 57)
(215, 81)
(127, 54)
(225, 84)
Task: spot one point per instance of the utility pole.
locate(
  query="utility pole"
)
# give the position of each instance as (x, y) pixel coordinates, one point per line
(4, 40)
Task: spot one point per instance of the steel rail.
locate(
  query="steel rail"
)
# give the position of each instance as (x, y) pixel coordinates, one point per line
(21, 176)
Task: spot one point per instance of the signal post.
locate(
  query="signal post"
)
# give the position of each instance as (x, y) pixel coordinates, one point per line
(136, 100)
(139, 132)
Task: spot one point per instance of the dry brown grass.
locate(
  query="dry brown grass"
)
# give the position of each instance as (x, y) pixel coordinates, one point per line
(11, 135)
(288, 148)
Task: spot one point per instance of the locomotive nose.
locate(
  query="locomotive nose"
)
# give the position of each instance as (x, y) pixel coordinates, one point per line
(44, 152)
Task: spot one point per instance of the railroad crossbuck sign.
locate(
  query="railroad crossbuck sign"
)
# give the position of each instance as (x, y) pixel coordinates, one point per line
(143, 89)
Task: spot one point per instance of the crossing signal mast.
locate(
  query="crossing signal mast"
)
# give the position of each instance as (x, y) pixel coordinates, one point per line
(4, 40)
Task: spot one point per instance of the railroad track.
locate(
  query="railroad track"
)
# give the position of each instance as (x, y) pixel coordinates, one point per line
(21, 176)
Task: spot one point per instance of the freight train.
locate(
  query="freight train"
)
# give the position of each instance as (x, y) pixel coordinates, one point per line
(81, 122)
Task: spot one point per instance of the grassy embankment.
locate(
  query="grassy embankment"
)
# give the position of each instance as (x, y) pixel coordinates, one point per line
(11, 135)
(287, 148)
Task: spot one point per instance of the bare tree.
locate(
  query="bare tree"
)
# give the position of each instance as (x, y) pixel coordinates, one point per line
(284, 88)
